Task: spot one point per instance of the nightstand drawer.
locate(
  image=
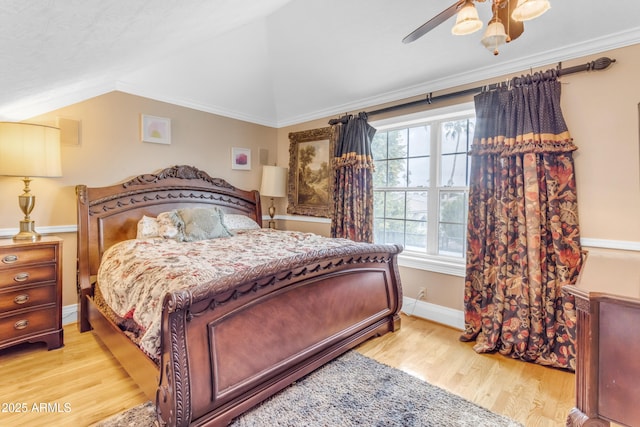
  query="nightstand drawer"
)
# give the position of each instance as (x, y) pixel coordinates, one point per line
(29, 297)
(15, 257)
(27, 323)
(27, 274)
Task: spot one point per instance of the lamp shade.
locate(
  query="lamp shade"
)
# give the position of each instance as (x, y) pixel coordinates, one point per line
(530, 9)
(467, 20)
(29, 150)
(274, 181)
(494, 36)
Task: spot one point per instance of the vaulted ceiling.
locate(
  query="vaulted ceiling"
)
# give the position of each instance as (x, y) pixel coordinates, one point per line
(272, 62)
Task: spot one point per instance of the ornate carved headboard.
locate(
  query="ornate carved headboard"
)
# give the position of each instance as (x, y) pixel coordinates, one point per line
(107, 215)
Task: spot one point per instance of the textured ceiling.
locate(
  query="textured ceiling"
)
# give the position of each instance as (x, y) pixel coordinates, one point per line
(272, 62)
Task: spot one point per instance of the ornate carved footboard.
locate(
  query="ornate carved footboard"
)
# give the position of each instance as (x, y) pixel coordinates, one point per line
(222, 352)
(247, 344)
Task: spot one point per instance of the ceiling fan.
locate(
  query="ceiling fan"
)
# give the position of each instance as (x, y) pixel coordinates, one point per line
(505, 25)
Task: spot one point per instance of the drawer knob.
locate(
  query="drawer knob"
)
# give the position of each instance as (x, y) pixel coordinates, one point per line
(21, 277)
(21, 299)
(21, 324)
(10, 259)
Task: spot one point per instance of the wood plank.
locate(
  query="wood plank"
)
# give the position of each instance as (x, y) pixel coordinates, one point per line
(76, 385)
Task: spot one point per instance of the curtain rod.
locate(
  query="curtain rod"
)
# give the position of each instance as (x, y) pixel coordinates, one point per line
(598, 64)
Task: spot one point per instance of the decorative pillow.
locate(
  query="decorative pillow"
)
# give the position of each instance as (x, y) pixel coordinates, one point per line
(169, 226)
(147, 227)
(202, 223)
(239, 222)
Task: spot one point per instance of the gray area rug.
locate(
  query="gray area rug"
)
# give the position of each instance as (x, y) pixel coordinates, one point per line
(352, 390)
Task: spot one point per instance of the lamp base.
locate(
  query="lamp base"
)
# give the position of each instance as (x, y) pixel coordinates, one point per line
(27, 231)
(272, 212)
(27, 201)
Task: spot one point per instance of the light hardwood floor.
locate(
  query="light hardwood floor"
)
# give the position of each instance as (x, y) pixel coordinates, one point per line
(81, 383)
(534, 395)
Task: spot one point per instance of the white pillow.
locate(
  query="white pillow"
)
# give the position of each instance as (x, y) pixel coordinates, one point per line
(147, 228)
(168, 226)
(239, 222)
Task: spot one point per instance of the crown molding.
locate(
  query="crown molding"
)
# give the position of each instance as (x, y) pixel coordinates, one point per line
(53, 99)
(78, 92)
(578, 50)
(187, 103)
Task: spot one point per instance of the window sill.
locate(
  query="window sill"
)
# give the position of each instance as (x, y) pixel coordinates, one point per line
(436, 264)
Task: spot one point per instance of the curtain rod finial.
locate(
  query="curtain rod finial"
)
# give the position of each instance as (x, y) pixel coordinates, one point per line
(601, 63)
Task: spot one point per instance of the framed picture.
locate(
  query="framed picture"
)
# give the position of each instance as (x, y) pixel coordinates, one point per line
(241, 158)
(155, 129)
(311, 173)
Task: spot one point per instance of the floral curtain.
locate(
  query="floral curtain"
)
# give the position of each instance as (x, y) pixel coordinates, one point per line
(523, 240)
(353, 184)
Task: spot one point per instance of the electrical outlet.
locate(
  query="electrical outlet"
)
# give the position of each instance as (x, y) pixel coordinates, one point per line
(422, 293)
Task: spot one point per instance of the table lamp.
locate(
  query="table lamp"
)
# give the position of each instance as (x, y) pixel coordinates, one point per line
(29, 150)
(274, 180)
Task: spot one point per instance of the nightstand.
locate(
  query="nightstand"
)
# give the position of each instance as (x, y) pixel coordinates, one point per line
(31, 292)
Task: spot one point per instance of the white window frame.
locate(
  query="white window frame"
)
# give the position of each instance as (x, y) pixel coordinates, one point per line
(430, 261)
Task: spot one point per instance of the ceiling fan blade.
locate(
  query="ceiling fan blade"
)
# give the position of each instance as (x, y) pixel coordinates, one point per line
(512, 27)
(433, 22)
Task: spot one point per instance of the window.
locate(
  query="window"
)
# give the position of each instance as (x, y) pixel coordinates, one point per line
(421, 182)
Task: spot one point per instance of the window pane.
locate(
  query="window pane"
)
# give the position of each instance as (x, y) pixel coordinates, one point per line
(419, 172)
(397, 173)
(378, 230)
(471, 123)
(380, 174)
(453, 170)
(419, 141)
(397, 143)
(379, 146)
(416, 236)
(394, 231)
(378, 204)
(417, 205)
(451, 240)
(394, 206)
(454, 136)
(452, 206)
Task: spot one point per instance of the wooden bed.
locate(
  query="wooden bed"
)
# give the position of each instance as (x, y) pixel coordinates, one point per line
(308, 311)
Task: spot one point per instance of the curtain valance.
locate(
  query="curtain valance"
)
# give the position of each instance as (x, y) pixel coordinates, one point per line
(525, 118)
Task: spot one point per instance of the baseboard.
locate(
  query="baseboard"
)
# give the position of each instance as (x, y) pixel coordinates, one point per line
(69, 314)
(436, 313)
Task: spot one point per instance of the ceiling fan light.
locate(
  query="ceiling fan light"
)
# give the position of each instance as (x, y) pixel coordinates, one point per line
(467, 20)
(529, 9)
(494, 36)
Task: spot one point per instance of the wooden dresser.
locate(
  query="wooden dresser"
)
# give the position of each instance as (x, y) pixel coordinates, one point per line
(608, 370)
(31, 292)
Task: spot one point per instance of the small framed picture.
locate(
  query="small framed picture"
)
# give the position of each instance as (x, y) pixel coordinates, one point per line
(155, 129)
(241, 158)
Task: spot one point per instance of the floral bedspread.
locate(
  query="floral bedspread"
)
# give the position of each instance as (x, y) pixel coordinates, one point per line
(135, 274)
